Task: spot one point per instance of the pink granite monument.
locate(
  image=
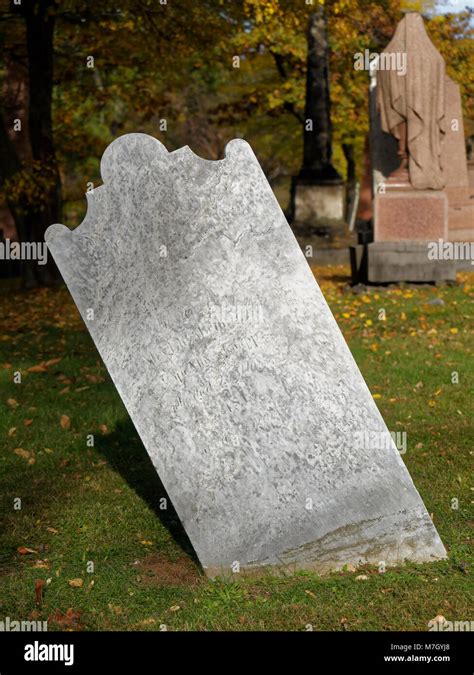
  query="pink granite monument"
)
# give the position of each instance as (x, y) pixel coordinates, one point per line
(458, 191)
(411, 106)
(419, 165)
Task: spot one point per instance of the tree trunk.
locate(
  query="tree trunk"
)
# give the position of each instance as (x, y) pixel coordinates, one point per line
(40, 18)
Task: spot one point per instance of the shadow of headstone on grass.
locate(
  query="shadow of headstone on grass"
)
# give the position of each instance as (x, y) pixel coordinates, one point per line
(126, 454)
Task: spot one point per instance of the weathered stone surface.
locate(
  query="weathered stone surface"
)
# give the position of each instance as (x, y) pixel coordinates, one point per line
(233, 368)
(453, 149)
(460, 193)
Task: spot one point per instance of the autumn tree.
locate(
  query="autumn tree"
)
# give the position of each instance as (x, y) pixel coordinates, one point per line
(272, 42)
(90, 73)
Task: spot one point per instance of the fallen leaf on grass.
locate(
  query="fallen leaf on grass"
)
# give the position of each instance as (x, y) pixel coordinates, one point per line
(12, 403)
(12, 431)
(24, 550)
(40, 565)
(24, 454)
(116, 609)
(104, 429)
(76, 583)
(39, 585)
(362, 577)
(53, 530)
(52, 362)
(27, 423)
(175, 608)
(66, 390)
(147, 622)
(69, 620)
(65, 422)
(39, 368)
(62, 378)
(95, 379)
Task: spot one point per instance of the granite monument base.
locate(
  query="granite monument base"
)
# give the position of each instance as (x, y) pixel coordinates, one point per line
(406, 261)
(409, 215)
(460, 214)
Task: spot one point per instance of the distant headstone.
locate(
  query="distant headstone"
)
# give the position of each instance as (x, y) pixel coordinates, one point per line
(318, 191)
(233, 369)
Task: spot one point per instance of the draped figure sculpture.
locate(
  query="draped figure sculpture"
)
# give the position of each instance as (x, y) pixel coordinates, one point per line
(412, 106)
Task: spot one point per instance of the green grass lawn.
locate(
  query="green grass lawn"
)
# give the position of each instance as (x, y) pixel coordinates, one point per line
(101, 504)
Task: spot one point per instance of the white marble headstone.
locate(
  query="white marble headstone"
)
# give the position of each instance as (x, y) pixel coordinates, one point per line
(232, 367)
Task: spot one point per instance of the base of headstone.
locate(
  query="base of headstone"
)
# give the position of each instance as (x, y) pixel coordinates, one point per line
(362, 543)
(405, 261)
(410, 215)
(318, 205)
(460, 214)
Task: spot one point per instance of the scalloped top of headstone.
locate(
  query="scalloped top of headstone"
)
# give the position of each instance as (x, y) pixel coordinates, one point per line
(139, 158)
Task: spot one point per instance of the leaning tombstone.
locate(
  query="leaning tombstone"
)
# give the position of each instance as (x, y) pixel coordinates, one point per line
(233, 369)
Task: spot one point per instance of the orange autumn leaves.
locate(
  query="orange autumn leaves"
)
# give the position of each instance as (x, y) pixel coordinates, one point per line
(389, 322)
(33, 312)
(65, 422)
(43, 366)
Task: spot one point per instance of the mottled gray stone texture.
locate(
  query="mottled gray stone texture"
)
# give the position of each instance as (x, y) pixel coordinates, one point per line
(232, 367)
